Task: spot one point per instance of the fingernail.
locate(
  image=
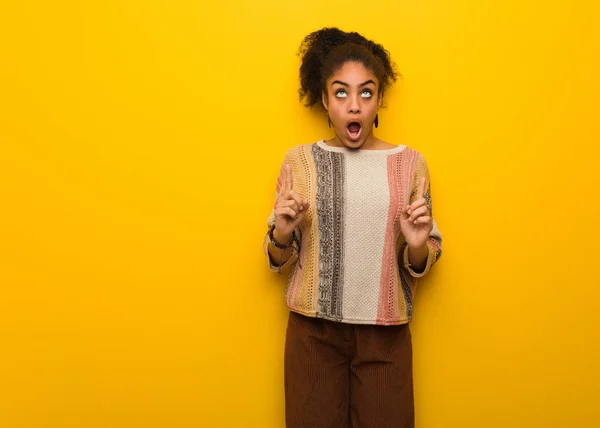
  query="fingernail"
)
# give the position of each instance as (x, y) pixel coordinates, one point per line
(409, 211)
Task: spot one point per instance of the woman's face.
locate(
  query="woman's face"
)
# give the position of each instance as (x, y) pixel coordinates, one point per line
(352, 100)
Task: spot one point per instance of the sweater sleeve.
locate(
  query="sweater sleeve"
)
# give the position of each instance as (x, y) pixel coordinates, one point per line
(434, 243)
(274, 264)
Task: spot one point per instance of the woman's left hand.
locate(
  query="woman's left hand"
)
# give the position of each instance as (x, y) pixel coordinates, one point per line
(416, 222)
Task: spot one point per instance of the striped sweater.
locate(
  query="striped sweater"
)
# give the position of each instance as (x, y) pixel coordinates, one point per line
(354, 265)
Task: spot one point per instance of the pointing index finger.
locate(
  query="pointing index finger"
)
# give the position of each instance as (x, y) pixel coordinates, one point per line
(290, 180)
(281, 180)
(421, 191)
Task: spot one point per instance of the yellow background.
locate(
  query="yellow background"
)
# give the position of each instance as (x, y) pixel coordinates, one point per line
(140, 143)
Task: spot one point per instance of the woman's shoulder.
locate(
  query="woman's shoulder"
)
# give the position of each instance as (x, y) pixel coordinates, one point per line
(407, 150)
(298, 149)
(413, 151)
(385, 146)
(293, 153)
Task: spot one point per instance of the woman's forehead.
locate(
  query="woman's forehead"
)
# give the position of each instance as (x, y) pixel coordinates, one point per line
(353, 73)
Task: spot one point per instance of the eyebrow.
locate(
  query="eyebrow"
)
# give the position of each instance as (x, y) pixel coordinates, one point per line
(345, 84)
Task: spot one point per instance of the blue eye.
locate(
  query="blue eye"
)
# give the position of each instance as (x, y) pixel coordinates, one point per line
(368, 94)
(340, 93)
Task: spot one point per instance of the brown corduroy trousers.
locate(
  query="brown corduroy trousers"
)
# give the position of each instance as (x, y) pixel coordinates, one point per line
(340, 375)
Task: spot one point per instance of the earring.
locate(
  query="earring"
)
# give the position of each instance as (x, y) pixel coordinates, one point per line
(328, 121)
(376, 120)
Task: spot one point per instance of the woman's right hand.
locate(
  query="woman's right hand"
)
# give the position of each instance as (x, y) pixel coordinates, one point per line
(289, 207)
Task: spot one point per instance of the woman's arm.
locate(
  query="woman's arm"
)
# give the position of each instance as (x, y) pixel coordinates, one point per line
(417, 258)
(279, 259)
(423, 249)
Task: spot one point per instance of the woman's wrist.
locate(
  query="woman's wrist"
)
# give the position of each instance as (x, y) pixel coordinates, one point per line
(281, 239)
(417, 256)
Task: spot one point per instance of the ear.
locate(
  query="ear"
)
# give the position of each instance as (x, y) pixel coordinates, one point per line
(324, 99)
(379, 99)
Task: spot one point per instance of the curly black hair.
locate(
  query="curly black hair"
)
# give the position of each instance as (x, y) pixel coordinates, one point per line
(326, 50)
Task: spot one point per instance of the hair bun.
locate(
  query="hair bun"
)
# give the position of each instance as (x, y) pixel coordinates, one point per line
(318, 45)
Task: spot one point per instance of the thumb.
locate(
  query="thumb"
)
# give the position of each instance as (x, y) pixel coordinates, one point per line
(404, 211)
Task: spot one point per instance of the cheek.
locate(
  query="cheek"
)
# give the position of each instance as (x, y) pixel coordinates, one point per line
(334, 113)
(372, 110)
(372, 105)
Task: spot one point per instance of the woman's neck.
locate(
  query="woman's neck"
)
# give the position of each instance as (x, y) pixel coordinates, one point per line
(371, 143)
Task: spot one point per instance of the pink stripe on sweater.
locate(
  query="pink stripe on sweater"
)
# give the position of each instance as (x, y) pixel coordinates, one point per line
(388, 300)
(407, 181)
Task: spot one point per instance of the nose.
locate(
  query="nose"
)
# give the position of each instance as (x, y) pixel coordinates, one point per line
(354, 106)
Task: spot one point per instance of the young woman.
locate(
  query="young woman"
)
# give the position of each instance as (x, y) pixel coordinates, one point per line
(353, 222)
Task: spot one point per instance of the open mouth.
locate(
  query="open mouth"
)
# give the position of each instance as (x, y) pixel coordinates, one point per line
(353, 130)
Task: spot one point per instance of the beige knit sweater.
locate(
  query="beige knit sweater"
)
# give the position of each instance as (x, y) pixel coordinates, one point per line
(353, 260)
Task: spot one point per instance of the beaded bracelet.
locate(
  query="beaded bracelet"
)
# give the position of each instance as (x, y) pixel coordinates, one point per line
(283, 247)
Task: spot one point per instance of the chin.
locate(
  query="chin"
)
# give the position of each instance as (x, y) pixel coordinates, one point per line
(355, 144)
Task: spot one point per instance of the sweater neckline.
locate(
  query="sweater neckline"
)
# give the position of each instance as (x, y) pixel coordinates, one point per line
(322, 144)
